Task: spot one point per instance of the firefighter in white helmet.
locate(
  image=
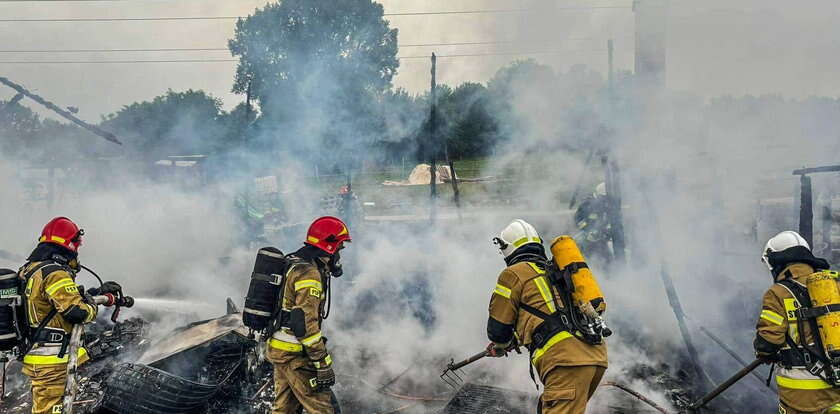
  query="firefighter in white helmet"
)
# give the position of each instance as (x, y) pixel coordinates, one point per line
(569, 369)
(778, 337)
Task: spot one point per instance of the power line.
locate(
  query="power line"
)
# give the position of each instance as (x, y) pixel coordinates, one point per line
(212, 49)
(113, 50)
(63, 62)
(182, 18)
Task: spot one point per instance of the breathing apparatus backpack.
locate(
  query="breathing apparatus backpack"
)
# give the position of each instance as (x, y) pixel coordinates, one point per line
(263, 312)
(579, 290)
(262, 304)
(583, 302)
(11, 311)
(822, 293)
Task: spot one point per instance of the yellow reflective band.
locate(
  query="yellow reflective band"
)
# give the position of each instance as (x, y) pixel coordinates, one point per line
(802, 384)
(50, 359)
(312, 340)
(303, 284)
(91, 313)
(502, 291)
(773, 317)
(312, 239)
(546, 294)
(343, 231)
(833, 409)
(536, 268)
(313, 382)
(551, 342)
(53, 238)
(327, 362)
(58, 285)
(285, 346)
(520, 242)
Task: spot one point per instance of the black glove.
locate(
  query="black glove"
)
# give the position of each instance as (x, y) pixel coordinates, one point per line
(324, 375)
(107, 287)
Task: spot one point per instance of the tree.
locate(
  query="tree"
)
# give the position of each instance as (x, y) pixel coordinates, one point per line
(175, 123)
(19, 128)
(470, 126)
(316, 67)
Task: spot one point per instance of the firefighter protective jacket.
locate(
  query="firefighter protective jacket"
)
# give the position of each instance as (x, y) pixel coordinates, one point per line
(525, 282)
(798, 389)
(51, 287)
(304, 290)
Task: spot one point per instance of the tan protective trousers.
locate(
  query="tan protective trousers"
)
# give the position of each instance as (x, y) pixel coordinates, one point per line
(784, 409)
(48, 383)
(293, 390)
(568, 389)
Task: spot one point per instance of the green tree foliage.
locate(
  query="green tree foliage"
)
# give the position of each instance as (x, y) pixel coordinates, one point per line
(176, 123)
(19, 128)
(470, 127)
(317, 68)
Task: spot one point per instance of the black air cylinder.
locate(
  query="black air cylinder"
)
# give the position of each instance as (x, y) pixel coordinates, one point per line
(264, 291)
(9, 291)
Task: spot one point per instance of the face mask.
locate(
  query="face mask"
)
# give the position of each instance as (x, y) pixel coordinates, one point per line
(334, 265)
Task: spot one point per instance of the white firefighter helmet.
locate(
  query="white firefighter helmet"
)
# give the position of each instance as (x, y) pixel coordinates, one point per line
(780, 242)
(600, 190)
(517, 234)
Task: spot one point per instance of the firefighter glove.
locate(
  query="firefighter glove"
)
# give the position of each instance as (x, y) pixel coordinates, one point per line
(325, 379)
(497, 350)
(324, 374)
(107, 287)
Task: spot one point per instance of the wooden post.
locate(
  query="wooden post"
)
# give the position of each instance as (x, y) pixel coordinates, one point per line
(433, 142)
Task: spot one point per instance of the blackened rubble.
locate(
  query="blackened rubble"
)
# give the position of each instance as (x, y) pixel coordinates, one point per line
(212, 367)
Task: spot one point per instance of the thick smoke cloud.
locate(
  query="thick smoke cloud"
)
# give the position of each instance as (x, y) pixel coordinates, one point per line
(696, 173)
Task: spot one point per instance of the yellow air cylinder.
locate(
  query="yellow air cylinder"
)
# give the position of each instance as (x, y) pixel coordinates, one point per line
(566, 252)
(823, 289)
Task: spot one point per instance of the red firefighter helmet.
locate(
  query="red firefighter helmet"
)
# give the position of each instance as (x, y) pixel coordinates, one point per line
(63, 232)
(327, 233)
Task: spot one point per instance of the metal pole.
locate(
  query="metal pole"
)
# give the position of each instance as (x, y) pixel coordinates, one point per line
(433, 141)
(725, 386)
(806, 209)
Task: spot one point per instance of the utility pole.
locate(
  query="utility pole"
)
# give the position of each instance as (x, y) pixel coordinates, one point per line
(613, 177)
(434, 143)
(610, 66)
(247, 111)
(67, 115)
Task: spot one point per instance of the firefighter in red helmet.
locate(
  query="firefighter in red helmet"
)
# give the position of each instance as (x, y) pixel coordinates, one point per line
(303, 373)
(54, 304)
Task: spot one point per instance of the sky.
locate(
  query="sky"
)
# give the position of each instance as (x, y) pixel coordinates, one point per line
(714, 47)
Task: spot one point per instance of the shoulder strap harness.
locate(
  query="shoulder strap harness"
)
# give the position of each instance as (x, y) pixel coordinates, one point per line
(812, 357)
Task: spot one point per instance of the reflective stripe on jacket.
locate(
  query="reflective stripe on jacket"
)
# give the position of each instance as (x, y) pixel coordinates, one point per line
(798, 388)
(527, 283)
